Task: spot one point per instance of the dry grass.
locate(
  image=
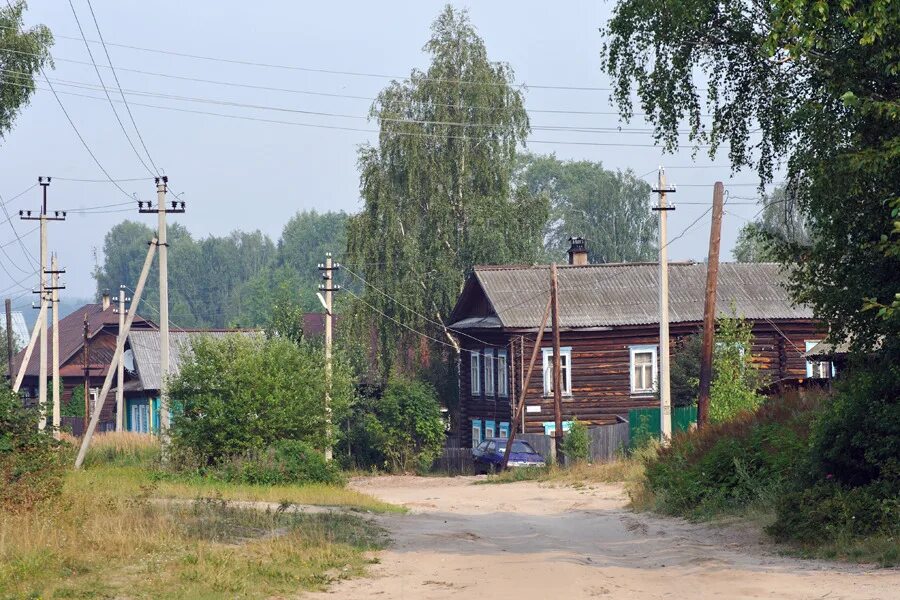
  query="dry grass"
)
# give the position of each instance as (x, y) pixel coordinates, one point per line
(92, 543)
(119, 448)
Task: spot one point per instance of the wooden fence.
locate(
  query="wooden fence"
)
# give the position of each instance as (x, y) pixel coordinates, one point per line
(454, 461)
(609, 442)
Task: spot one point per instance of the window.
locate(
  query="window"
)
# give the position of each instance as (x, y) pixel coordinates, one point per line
(489, 371)
(502, 374)
(475, 372)
(504, 430)
(491, 447)
(643, 369)
(565, 364)
(489, 429)
(818, 369)
(476, 432)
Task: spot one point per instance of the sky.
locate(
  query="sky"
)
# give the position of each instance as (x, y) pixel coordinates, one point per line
(236, 173)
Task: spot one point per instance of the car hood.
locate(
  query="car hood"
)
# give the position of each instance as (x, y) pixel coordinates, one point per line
(525, 457)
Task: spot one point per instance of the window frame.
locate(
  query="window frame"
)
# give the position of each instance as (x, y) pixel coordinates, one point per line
(476, 426)
(654, 362)
(490, 379)
(502, 374)
(490, 426)
(566, 370)
(810, 374)
(475, 373)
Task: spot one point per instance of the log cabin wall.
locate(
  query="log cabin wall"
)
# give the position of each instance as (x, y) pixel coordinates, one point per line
(601, 370)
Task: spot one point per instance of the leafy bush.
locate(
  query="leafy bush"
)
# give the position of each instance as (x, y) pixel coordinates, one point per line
(401, 429)
(288, 461)
(31, 462)
(576, 443)
(735, 376)
(241, 395)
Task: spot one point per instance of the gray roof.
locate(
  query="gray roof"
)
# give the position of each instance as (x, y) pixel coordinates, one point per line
(610, 295)
(146, 349)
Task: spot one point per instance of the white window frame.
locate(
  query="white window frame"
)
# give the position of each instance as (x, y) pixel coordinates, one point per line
(810, 344)
(490, 376)
(490, 429)
(643, 349)
(476, 437)
(502, 374)
(475, 373)
(566, 369)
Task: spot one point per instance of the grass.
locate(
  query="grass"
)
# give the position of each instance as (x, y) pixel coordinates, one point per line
(881, 550)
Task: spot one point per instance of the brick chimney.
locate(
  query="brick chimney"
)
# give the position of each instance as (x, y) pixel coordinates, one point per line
(105, 299)
(577, 252)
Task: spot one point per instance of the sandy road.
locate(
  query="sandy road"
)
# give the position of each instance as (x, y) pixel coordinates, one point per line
(526, 541)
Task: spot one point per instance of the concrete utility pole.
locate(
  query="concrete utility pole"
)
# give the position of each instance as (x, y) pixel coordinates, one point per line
(709, 308)
(557, 364)
(9, 338)
(43, 217)
(29, 350)
(120, 366)
(120, 348)
(54, 290)
(162, 241)
(328, 288)
(665, 398)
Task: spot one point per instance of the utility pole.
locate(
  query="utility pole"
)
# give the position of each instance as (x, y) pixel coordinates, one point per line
(43, 217)
(665, 398)
(162, 241)
(54, 291)
(709, 308)
(120, 366)
(86, 363)
(328, 288)
(9, 338)
(557, 364)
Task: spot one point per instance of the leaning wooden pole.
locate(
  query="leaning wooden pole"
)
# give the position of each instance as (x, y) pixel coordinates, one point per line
(709, 308)
(524, 384)
(28, 351)
(120, 348)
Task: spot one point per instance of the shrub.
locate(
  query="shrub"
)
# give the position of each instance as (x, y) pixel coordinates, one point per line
(576, 444)
(288, 461)
(31, 462)
(735, 376)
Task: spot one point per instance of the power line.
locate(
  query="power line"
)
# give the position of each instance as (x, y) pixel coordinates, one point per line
(118, 85)
(87, 47)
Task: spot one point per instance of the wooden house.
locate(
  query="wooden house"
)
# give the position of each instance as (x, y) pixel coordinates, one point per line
(609, 323)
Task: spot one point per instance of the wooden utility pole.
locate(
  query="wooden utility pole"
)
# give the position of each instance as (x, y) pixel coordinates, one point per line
(120, 367)
(161, 211)
(665, 398)
(709, 307)
(86, 365)
(54, 290)
(9, 338)
(328, 288)
(43, 217)
(525, 380)
(557, 364)
(120, 348)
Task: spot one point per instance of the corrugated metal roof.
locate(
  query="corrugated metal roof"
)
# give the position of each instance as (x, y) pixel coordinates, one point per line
(146, 350)
(628, 294)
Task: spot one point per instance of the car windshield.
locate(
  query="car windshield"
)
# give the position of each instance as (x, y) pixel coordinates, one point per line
(517, 446)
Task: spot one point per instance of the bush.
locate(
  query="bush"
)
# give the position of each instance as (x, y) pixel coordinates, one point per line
(242, 395)
(31, 462)
(287, 462)
(576, 443)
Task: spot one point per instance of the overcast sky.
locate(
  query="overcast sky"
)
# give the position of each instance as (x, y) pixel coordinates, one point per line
(243, 174)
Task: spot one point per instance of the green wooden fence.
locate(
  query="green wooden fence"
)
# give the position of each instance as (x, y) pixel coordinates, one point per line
(644, 422)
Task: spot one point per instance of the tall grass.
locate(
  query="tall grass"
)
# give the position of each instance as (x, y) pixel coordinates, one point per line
(121, 448)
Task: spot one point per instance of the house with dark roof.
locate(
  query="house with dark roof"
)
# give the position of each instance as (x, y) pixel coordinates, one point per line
(102, 331)
(609, 330)
(142, 390)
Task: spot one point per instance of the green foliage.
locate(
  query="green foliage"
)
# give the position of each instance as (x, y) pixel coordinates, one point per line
(400, 430)
(735, 376)
(576, 444)
(730, 466)
(74, 407)
(31, 463)
(610, 209)
(814, 82)
(437, 192)
(779, 224)
(684, 372)
(286, 462)
(286, 321)
(23, 52)
(241, 394)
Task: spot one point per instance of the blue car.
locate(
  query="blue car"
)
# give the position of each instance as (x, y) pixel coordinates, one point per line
(488, 455)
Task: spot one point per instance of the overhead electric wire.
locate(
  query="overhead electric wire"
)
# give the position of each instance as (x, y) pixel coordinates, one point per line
(87, 47)
(118, 85)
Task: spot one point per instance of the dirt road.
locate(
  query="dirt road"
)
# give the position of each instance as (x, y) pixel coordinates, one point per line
(527, 540)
